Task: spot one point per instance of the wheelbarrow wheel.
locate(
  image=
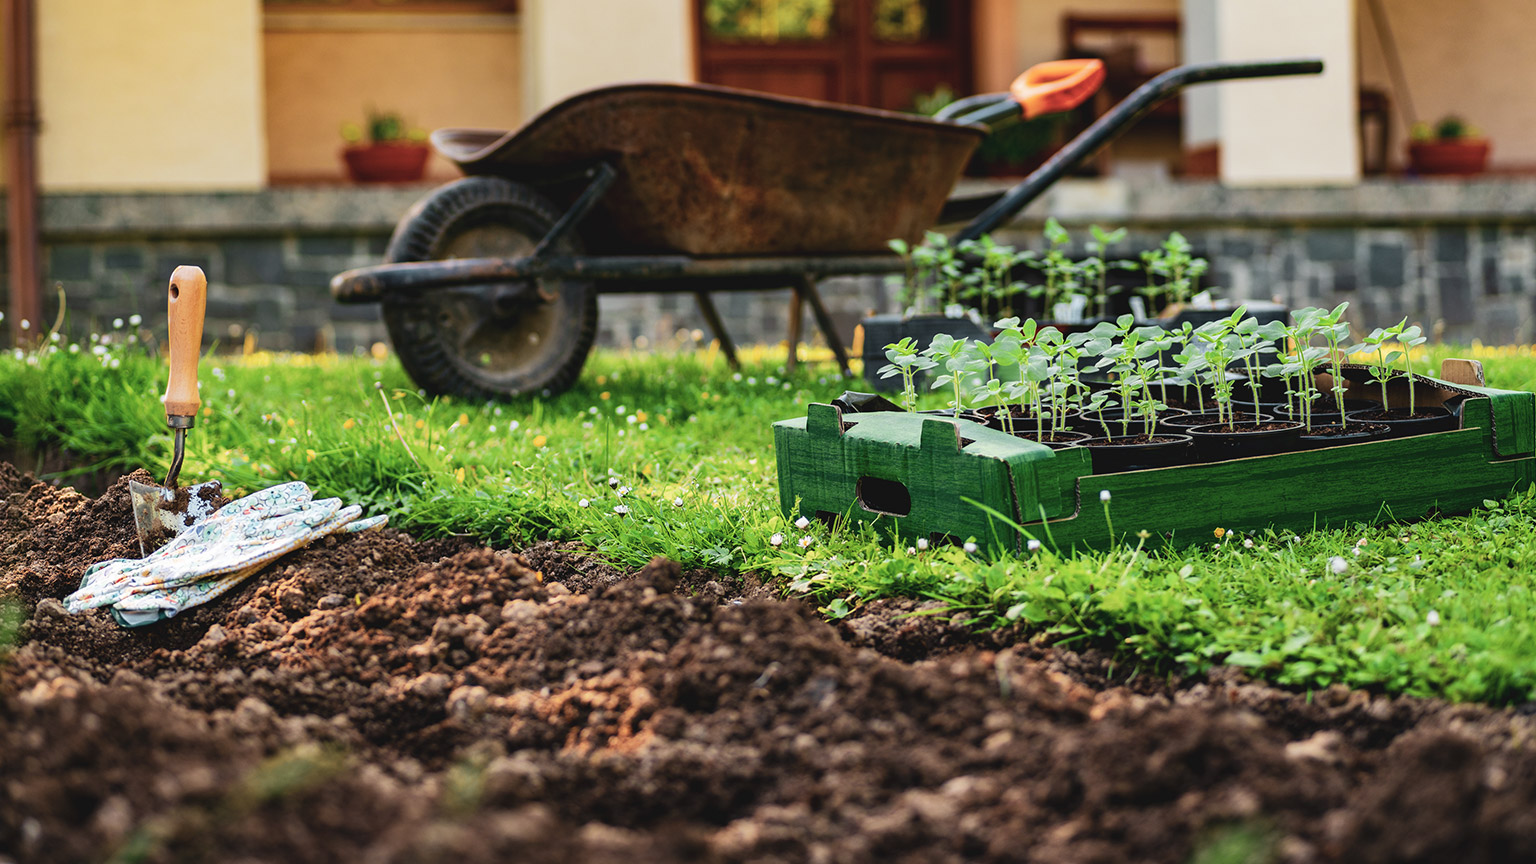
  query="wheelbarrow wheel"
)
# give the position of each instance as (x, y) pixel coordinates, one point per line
(493, 340)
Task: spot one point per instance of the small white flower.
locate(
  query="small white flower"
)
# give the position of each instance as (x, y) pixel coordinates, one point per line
(970, 547)
(736, 377)
(583, 503)
(922, 543)
(25, 324)
(54, 336)
(74, 349)
(644, 426)
(776, 540)
(115, 363)
(621, 509)
(1104, 495)
(271, 440)
(117, 323)
(613, 481)
(1432, 619)
(619, 410)
(623, 490)
(1361, 542)
(135, 320)
(631, 419)
(911, 550)
(1355, 551)
(802, 523)
(1294, 539)
(1337, 564)
(592, 410)
(1033, 545)
(1247, 544)
(752, 381)
(587, 425)
(512, 427)
(678, 501)
(493, 429)
(806, 541)
(770, 380)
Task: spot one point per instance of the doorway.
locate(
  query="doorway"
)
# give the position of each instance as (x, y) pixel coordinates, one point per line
(878, 53)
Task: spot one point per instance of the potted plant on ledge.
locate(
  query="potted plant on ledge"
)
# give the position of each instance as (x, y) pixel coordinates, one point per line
(1450, 147)
(389, 153)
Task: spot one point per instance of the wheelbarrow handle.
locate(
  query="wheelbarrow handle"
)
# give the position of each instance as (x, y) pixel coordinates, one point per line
(1045, 88)
(1116, 120)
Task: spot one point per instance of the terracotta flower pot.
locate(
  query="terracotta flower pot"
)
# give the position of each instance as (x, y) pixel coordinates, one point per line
(1455, 156)
(402, 162)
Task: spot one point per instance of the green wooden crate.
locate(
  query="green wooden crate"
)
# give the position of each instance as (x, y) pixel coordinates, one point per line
(925, 476)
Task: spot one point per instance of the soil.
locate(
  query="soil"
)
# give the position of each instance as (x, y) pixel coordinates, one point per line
(1399, 414)
(1347, 430)
(1246, 428)
(378, 698)
(1130, 440)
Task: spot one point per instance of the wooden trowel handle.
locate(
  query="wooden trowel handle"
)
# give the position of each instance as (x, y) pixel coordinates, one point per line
(187, 299)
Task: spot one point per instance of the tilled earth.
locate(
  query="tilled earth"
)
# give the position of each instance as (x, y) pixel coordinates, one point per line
(375, 698)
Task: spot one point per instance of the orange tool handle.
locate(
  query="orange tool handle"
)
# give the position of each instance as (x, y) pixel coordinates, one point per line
(187, 299)
(1059, 85)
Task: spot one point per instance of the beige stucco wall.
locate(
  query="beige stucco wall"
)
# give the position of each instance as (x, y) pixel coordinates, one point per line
(150, 94)
(1472, 58)
(575, 45)
(435, 70)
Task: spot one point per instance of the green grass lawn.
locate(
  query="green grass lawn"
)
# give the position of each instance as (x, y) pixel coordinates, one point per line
(673, 455)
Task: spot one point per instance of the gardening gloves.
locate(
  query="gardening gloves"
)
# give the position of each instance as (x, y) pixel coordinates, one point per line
(214, 555)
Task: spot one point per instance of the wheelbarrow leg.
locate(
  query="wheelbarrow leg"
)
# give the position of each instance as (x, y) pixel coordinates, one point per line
(807, 291)
(717, 327)
(796, 314)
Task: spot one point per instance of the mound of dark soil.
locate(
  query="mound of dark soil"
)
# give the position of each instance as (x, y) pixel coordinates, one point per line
(377, 698)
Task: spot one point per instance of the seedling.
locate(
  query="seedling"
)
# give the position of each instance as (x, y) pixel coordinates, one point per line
(1060, 273)
(906, 361)
(1382, 369)
(1095, 268)
(1410, 338)
(951, 353)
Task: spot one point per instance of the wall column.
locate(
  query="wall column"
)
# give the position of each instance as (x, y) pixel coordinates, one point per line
(1285, 131)
(575, 45)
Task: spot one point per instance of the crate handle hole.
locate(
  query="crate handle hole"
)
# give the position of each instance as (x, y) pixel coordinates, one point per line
(884, 496)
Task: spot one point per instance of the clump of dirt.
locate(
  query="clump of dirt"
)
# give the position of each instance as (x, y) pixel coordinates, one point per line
(376, 698)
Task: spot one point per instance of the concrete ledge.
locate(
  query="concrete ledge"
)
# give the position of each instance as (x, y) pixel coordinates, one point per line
(320, 209)
(1205, 203)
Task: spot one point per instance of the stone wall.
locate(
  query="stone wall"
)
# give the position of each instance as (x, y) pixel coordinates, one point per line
(1457, 257)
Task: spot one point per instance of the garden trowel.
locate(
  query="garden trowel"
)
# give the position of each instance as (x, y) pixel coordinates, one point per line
(162, 512)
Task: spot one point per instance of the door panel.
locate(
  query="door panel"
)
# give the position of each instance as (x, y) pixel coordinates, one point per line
(882, 53)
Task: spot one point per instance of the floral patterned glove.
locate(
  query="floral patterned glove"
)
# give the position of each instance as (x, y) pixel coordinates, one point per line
(214, 555)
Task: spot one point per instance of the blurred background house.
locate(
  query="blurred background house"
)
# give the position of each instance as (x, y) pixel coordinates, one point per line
(210, 132)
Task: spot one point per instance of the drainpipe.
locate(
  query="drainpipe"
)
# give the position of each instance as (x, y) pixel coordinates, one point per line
(21, 126)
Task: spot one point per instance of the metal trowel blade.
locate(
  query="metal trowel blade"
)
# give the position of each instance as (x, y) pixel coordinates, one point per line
(160, 513)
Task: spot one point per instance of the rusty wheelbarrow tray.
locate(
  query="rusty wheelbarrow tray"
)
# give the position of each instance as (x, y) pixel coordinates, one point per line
(490, 284)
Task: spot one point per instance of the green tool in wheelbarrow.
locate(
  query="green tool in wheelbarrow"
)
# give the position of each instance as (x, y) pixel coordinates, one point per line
(162, 512)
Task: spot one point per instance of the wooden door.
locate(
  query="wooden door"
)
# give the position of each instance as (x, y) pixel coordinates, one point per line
(880, 53)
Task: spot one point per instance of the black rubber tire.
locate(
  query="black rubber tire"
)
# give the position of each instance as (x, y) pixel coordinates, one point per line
(463, 341)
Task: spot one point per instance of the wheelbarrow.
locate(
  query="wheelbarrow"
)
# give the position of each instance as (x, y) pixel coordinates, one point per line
(490, 284)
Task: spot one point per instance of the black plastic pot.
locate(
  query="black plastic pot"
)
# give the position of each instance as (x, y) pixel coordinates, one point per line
(1218, 443)
(1181, 422)
(1325, 405)
(1094, 424)
(1333, 436)
(1059, 440)
(1428, 419)
(1135, 452)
